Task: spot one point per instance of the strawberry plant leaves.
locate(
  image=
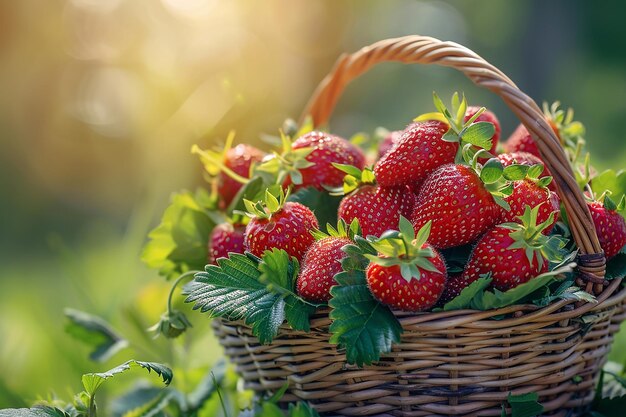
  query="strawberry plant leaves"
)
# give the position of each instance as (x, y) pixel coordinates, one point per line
(526, 292)
(479, 134)
(37, 411)
(467, 295)
(361, 325)
(258, 291)
(616, 266)
(321, 203)
(93, 381)
(615, 182)
(96, 333)
(524, 405)
(302, 409)
(179, 242)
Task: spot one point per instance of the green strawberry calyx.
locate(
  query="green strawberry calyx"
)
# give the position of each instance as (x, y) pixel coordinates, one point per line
(528, 236)
(342, 230)
(271, 203)
(287, 162)
(353, 179)
(478, 134)
(607, 201)
(404, 248)
(213, 161)
(570, 132)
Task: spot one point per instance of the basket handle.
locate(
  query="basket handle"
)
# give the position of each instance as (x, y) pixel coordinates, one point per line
(425, 50)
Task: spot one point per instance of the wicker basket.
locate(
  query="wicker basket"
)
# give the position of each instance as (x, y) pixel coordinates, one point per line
(457, 362)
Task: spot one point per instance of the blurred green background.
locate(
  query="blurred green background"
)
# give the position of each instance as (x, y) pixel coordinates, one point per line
(101, 100)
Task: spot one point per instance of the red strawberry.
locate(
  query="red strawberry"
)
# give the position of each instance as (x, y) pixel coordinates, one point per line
(521, 141)
(610, 226)
(457, 203)
(377, 208)
(323, 261)
(238, 159)
(388, 142)
(419, 151)
(513, 253)
(279, 224)
(453, 287)
(525, 158)
(532, 192)
(486, 116)
(408, 274)
(225, 238)
(326, 150)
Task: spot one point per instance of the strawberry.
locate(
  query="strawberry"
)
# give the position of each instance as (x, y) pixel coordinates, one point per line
(569, 132)
(610, 225)
(531, 191)
(489, 117)
(231, 167)
(433, 140)
(454, 286)
(525, 158)
(225, 238)
(459, 205)
(407, 274)
(513, 253)
(322, 262)
(326, 150)
(276, 223)
(388, 142)
(376, 208)
(240, 160)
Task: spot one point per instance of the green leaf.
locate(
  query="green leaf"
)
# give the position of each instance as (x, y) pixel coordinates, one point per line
(361, 325)
(616, 266)
(522, 293)
(479, 134)
(259, 292)
(492, 171)
(535, 171)
(464, 299)
(206, 387)
(525, 405)
(141, 401)
(252, 191)
(180, 242)
(612, 181)
(323, 204)
(96, 333)
(37, 411)
(515, 172)
(269, 409)
(302, 409)
(93, 381)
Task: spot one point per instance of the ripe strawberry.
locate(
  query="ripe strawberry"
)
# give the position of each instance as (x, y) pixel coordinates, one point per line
(388, 142)
(322, 262)
(532, 192)
(326, 150)
(489, 117)
(418, 152)
(610, 225)
(240, 160)
(377, 208)
(408, 274)
(459, 205)
(513, 253)
(453, 287)
(225, 238)
(279, 224)
(431, 142)
(521, 141)
(525, 158)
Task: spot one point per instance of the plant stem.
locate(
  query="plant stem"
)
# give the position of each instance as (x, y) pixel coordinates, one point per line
(178, 280)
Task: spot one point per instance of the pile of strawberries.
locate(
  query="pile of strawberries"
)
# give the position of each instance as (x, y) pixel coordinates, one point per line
(439, 184)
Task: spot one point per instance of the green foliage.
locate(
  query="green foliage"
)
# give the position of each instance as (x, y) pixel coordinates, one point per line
(180, 242)
(616, 266)
(96, 333)
(259, 291)
(467, 295)
(361, 325)
(37, 411)
(524, 405)
(321, 203)
(611, 181)
(93, 381)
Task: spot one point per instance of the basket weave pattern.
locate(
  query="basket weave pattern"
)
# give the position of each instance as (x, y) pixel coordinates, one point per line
(457, 362)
